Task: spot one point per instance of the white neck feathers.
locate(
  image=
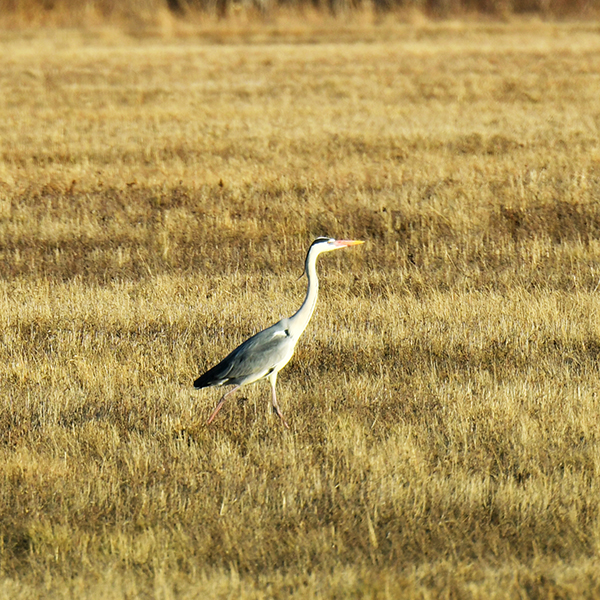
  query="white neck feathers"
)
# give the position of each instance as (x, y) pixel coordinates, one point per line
(299, 321)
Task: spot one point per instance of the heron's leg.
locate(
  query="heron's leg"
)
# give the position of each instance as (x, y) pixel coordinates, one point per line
(276, 409)
(221, 402)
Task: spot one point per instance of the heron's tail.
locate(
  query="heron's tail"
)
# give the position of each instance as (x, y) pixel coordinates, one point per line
(203, 381)
(213, 376)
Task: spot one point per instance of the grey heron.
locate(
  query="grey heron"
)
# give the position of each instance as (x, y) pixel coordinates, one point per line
(267, 352)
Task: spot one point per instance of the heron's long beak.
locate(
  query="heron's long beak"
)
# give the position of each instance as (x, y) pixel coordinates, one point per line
(344, 243)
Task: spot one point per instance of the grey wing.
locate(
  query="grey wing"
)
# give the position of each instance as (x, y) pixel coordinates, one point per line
(251, 360)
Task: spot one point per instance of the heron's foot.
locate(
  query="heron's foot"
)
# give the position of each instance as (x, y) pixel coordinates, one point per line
(278, 413)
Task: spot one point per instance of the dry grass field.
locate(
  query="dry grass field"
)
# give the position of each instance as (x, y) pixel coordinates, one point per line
(157, 196)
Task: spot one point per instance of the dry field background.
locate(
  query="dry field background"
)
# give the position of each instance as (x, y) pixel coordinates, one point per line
(141, 14)
(157, 198)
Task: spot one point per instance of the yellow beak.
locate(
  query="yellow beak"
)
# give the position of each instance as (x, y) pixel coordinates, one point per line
(344, 243)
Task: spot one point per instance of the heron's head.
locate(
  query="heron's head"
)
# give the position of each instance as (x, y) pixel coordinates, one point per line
(323, 244)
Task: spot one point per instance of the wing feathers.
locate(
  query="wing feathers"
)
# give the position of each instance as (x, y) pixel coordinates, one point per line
(252, 360)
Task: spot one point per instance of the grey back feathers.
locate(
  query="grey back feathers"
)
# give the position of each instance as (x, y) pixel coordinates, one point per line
(256, 358)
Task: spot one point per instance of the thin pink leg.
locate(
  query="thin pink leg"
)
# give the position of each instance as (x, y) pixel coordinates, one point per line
(221, 402)
(276, 408)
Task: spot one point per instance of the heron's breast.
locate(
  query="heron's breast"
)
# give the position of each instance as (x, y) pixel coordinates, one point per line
(287, 355)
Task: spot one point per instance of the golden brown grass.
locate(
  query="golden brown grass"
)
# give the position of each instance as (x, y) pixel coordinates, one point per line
(157, 197)
(143, 16)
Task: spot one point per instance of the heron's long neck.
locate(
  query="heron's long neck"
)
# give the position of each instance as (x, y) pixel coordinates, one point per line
(299, 321)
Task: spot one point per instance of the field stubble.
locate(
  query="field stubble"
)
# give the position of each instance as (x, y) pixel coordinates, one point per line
(157, 198)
